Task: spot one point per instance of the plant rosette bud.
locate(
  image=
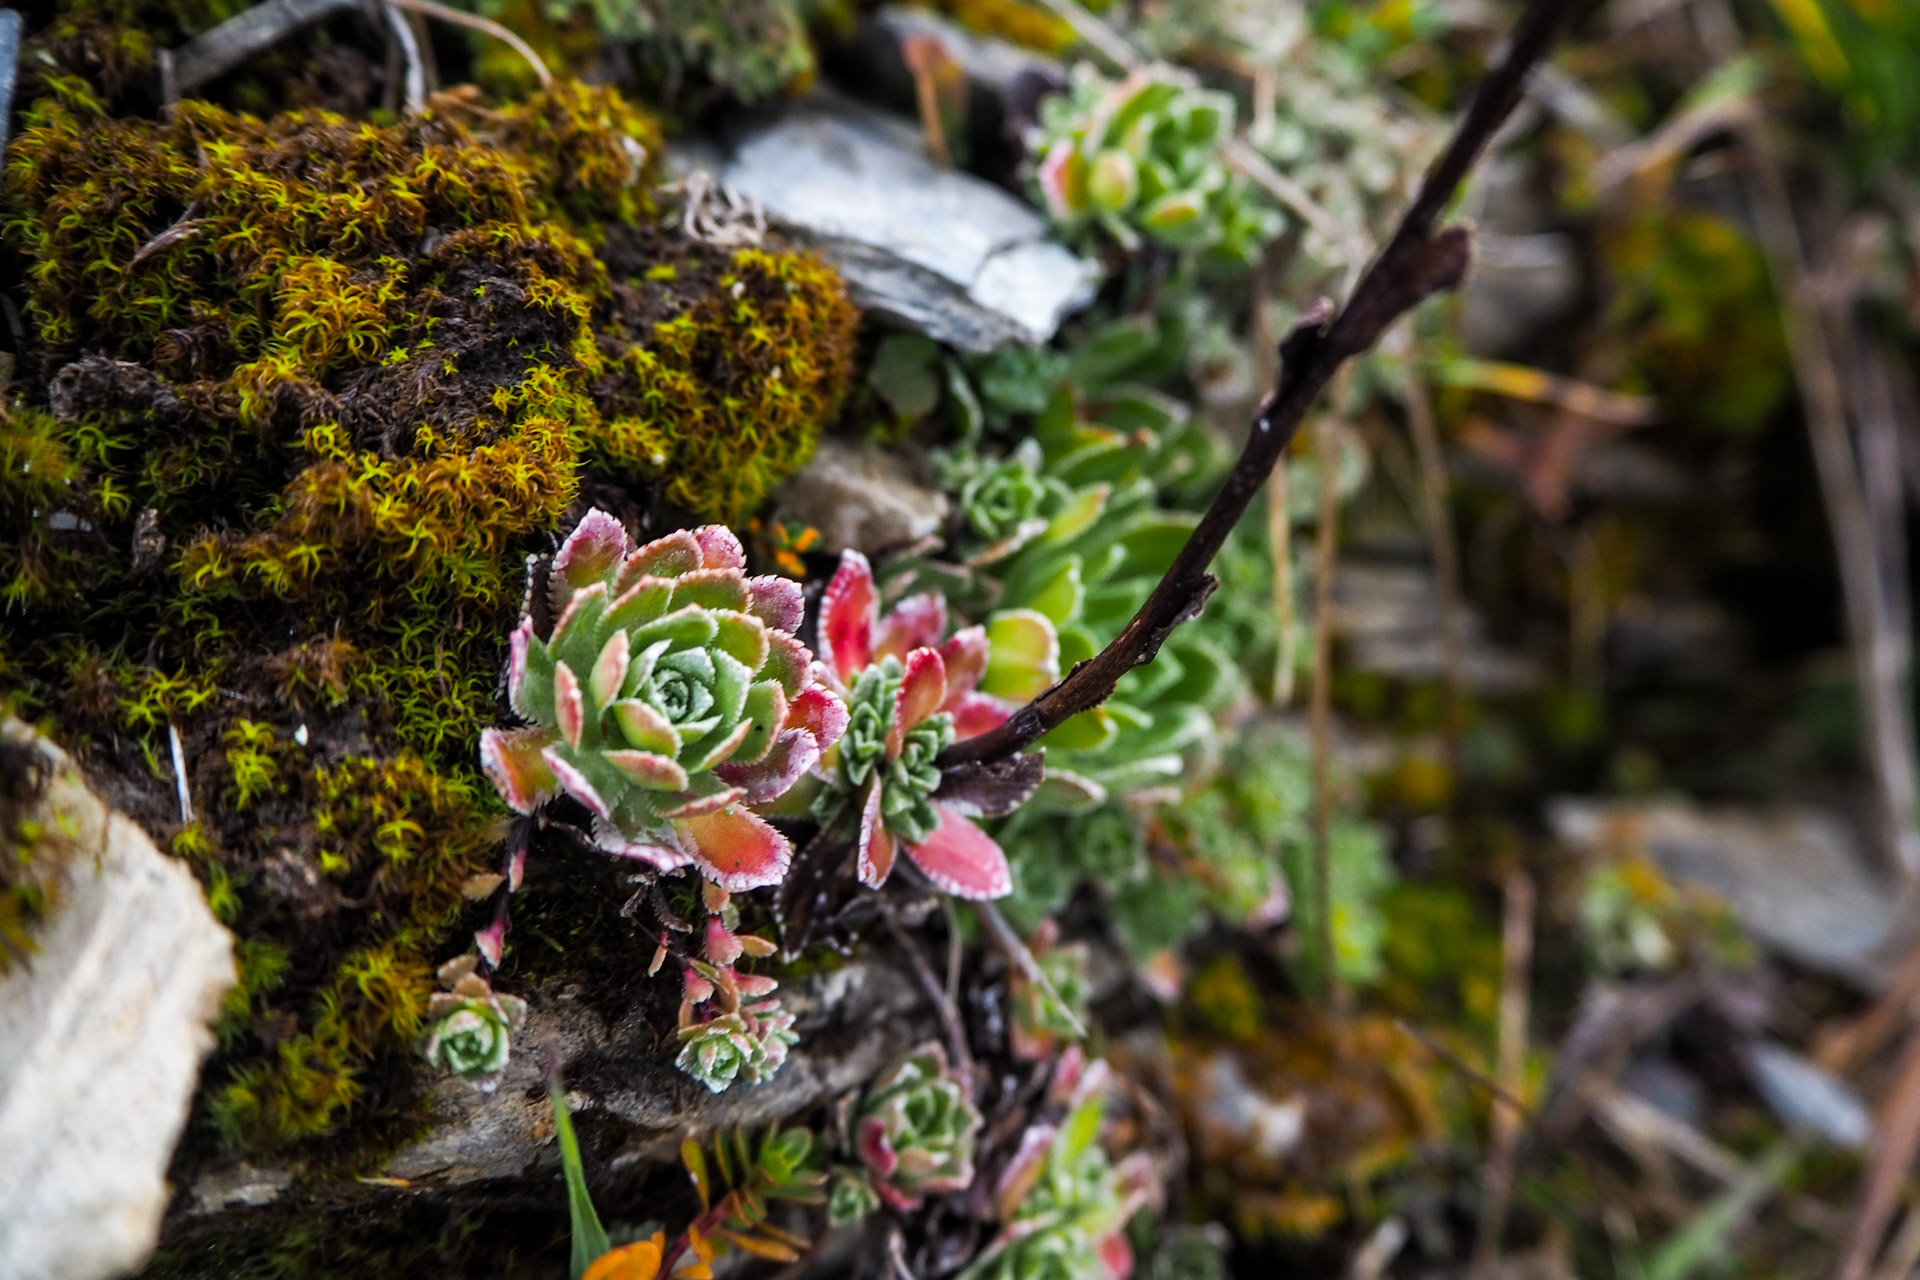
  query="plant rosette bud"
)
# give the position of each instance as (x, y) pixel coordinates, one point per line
(850, 1197)
(470, 1029)
(749, 1044)
(915, 1129)
(910, 694)
(670, 698)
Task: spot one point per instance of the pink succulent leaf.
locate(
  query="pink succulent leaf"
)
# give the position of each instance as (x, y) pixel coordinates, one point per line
(711, 588)
(1054, 176)
(577, 611)
(923, 688)
(591, 553)
(721, 946)
(719, 547)
(694, 805)
(965, 653)
(518, 644)
(610, 669)
(569, 708)
(976, 713)
(649, 769)
(846, 618)
(1138, 1184)
(820, 712)
(515, 760)
(492, 940)
(756, 946)
(575, 783)
(517, 865)
(894, 1198)
(789, 662)
(736, 849)
(794, 752)
(755, 985)
(1116, 1255)
(714, 898)
(874, 1148)
(1072, 1066)
(991, 790)
(917, 622)
(698, 989)
(776, 601)
(668, 557)
(874, 861)
(1029, 1160)
(962, 860)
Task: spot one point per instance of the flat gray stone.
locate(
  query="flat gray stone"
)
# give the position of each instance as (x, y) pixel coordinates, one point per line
(105, 1027)
(1796, 878)
(860, 496)
(941, 251)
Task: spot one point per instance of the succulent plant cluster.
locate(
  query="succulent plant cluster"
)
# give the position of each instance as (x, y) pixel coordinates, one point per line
(1141, 157)
(913, 1130)
(1063, 1204)
(670, 695)
(729, 1027)
(910, 693)
(470, 1027)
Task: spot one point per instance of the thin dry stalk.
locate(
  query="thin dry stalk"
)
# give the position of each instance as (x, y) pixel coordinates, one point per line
(1280, 534)
(1320, 708)
(486, 26)
(1878, 646)
(1897, 1138)
(1516, 955)
(1903, 1251)
(1096, 35)
(952, 1030)
(1438, 518)
(409, 47)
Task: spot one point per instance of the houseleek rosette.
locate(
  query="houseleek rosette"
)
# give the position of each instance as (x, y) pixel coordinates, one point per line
(670, 696)
(911, 694)
(915, 1130)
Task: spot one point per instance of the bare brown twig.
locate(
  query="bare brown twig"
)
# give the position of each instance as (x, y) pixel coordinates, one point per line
(1419, 260)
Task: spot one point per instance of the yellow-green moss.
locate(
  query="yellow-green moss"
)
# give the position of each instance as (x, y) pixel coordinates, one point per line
(302, 395)
(726, 399)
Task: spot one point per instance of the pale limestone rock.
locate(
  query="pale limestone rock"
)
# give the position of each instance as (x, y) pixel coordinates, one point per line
(105, 1029)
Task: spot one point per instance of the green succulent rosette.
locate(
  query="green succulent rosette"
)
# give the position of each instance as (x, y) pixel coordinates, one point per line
(749, 1044)
(915, 1128)
(470, 1030)
(670, 696)
(1143, 157)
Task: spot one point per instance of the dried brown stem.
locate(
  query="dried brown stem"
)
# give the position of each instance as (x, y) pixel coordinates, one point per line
(1504, 1142)
(1320, 710)
(1417, 262)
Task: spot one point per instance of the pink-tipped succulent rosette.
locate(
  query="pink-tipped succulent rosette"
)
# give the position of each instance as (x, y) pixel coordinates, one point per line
(671, 697)
(910, 693)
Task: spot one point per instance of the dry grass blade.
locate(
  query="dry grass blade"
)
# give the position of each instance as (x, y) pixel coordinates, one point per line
(1516, 964)
(1320, 707)
(1896, 1139)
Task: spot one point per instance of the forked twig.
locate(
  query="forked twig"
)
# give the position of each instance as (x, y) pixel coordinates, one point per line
(1418, 261)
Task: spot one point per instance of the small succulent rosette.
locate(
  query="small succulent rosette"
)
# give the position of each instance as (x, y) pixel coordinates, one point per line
(749, 1044)
(914, 1130)
(1064, 1206)
(1143, 155)
(910, 695)
(470, 1027)
(670, 698)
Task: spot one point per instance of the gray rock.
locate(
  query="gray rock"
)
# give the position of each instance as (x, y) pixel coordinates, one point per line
(1796, 878)
(860, 496)
(106, 1024)
(944, 252)
(1806, 1096)
(1519, 284)
(1388, 616)
(9, 68)
(852, 1022)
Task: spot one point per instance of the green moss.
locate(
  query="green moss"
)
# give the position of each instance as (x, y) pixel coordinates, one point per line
(339, 380)
(728, 397)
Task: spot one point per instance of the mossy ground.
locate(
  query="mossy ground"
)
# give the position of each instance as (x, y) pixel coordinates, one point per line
(298, 395)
